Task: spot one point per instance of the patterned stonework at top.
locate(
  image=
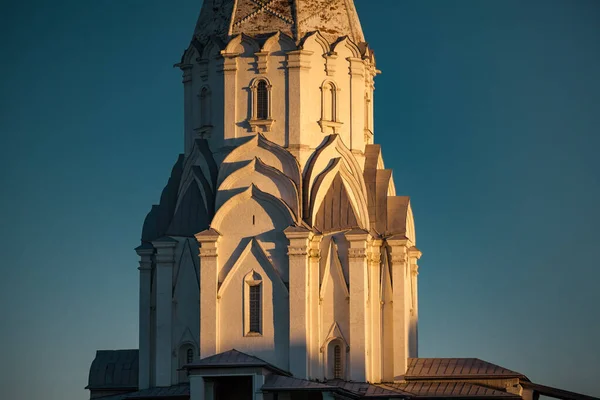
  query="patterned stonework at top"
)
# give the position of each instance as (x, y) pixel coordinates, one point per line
(296, 18)
(259, 16)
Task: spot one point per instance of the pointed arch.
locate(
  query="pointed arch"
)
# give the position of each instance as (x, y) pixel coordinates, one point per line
(277, 184)
(333, 265)
(330, 159)
(264, 261)
(348, 44)
(251, 193)
(212, 49)
(280, 40)
(315, 40)
(242, 45)
(270, 153)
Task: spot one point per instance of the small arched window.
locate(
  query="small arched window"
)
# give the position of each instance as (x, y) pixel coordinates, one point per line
(262, 100)
(337, 362)
(253, 304)
(190, 356)
(329, 113)
(255, 309)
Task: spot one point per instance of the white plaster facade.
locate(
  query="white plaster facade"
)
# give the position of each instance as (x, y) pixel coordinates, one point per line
(293, 197)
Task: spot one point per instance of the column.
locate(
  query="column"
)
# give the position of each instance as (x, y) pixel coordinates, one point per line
(400, 314)
(299, 264)
(165, 259)
(357, 108)
(188, 107)
(313, 307)
(230, 117)
(197, 388)
(145, 251)
(375, 310)
(358, 267)
(209, 324)
(298, 64)
(257, 383)
(414, 255)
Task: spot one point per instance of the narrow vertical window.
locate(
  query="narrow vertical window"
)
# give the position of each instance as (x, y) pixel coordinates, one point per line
(262, 100)
(190, 356)
(255, 309)
(331, 104)
(337, 362)
(204, 108)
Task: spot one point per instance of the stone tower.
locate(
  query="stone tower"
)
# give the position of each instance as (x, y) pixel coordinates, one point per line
(279, 233)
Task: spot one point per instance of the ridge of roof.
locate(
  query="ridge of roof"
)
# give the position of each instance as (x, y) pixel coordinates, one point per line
(450, 368)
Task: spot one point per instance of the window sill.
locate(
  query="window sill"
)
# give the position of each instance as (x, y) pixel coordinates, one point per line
(333, 125)
(253, 334)
(265, 124)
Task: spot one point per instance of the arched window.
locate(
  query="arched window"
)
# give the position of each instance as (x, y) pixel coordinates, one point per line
(260, 105)
(253, 304)
(186, 356)
(336, 359)
(255, 309)
(337, 362)
(329, 114)
(190, 356)
(262, 100)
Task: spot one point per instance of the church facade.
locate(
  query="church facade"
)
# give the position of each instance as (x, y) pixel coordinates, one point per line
(280, 262)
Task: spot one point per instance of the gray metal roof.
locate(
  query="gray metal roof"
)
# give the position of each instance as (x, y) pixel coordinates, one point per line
(114, 369)
(461, 368)
(182, 390)
(234, 359)
(448, 390)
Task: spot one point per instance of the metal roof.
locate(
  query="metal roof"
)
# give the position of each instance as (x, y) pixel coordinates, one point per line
(460, 368)
(234, 359)
(448, 389)
(114, 369)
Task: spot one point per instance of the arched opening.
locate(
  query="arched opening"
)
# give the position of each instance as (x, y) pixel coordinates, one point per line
(262, 100)
(328, 102)
(336, 359)
(253, 304)
(186, 356)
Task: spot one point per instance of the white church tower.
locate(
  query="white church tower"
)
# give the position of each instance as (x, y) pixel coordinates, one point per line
(279, 233)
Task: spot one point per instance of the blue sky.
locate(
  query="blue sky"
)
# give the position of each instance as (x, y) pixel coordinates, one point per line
(488, 112)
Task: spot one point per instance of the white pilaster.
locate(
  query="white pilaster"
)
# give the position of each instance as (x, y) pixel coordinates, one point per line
(357, 93)
(209, 326)
(315, 369)
(197, 388)
(400, 313)
(165, 259)
(230, 116)
(357, 256)
(375, 310)
(299, 265)
(146, 253)
(298, 64)
(414, 255)
(188, 107)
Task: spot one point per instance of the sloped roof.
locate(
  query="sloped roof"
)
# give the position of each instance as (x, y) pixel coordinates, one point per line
(234, 359)
(355, 389)
(333, 18)
(182, 390)
(460, 368)
(114, 369)
(448, 390)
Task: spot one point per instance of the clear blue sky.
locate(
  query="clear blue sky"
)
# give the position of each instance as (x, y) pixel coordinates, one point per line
(488, 112)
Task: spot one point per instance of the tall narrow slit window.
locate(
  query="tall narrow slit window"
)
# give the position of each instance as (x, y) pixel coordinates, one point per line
(255, 309)
(204, 107)
(262, 100)
(190, 356)
(337, 362)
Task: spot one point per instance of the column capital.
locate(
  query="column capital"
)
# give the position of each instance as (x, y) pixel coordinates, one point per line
(414, 254)
(299, 59)
(165, 242)
(208, 236)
